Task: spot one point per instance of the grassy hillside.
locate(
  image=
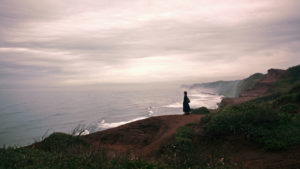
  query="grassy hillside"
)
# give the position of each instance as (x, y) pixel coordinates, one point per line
(61, 150)
(268, 127)
(258, 127)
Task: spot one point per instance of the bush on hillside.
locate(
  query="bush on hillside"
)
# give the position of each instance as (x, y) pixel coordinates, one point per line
(201, 110)
(294, 72)
(295, 89)
(267, 98)
(273, 129)
(297, 98)
(285, 99)
(289, 108)
(61, 142)
(183, 139)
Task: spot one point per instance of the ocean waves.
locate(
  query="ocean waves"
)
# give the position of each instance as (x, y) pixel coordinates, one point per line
(201, 99)
(106, 125)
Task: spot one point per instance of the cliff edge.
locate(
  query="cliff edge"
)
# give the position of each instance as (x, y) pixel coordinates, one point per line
(261, 88)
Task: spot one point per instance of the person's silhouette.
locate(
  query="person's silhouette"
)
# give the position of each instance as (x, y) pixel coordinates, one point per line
(186, 106)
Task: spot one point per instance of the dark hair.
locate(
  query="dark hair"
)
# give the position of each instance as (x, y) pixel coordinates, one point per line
(185, 92)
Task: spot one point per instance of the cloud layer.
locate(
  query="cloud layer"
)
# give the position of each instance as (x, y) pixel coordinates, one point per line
(54, 42)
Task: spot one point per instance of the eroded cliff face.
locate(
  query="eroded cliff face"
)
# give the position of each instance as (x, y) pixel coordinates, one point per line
(261, 88)
(274, 75)
(228, 88)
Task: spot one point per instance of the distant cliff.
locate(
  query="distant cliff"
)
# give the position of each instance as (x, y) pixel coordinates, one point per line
(226, 88)
(248, 83)
(256, 85)
(229, 88)
(259, 86)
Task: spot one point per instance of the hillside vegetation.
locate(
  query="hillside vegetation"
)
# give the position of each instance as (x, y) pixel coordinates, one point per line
(268, 127)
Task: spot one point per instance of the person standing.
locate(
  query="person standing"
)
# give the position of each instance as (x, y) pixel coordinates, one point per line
(186, 106)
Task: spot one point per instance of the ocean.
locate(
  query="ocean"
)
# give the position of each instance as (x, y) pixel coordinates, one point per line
(28, 115)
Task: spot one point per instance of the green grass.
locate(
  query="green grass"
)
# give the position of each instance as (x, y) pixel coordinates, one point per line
(201, 110)
(183, 139)
(186, 151)
(61, 142)
(289, 108)
(32, 159)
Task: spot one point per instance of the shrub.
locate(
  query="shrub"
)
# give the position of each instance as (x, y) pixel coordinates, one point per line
(58, 142)
(241, 117)
(283, 100)
(294, 72)
(297, 98)
(183, 139)
(132, 164)
(262, 124)
(289, 108)
(277, 138)
(267, 98)
(201, 110)
(207, 118)
(295, 89)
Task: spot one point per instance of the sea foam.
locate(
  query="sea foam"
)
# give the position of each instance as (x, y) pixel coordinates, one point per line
(104, 125)
(200, 100)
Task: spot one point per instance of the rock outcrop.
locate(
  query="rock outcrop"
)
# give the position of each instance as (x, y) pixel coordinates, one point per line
(261, 88)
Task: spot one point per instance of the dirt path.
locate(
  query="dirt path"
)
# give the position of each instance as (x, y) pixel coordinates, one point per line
(143, 137)
(172, 124)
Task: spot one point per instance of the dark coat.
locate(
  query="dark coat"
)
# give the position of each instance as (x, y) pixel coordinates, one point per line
(186, 106)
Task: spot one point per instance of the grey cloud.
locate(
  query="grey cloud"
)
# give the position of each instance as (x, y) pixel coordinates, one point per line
(196, 39)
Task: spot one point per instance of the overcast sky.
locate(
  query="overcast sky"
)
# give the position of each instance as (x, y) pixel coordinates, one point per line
(74, 42)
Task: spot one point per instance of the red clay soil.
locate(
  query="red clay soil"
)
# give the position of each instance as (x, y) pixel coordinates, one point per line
(142, 138)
